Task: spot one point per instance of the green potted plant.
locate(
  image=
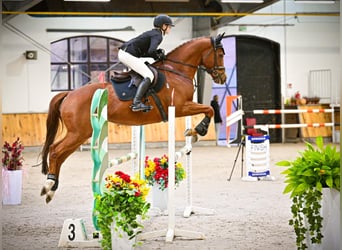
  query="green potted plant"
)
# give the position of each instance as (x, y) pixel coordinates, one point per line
(307, 177)
(121, 208)
(12, 163)
(157, 175)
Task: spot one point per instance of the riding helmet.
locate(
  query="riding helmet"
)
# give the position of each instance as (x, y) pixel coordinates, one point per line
(162, 19)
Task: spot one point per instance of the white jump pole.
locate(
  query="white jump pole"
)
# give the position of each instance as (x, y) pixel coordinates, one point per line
(135, 147)
(138, 146)
(190, 209)
(171, 171)
(171, 230)
(141, 156)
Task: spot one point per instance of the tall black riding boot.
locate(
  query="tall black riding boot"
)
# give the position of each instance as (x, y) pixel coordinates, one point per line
(137, 104)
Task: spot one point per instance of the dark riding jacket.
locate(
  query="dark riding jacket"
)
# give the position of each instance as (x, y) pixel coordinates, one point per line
(144, 45)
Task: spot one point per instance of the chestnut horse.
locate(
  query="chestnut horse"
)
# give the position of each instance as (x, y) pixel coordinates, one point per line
(73, 108)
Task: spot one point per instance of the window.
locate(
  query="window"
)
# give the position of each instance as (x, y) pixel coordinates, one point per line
(76, 61)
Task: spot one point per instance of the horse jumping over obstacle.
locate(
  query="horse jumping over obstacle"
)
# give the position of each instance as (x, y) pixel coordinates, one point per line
(72, 108)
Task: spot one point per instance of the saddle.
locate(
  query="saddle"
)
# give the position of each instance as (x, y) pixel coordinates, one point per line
(133, 77)
(124, 76)
(125, 85)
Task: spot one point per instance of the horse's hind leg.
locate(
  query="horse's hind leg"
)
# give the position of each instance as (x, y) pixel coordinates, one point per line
(57, 155)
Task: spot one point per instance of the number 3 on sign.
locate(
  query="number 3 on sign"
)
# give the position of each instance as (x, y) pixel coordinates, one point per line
(73, 231)
(72, 234)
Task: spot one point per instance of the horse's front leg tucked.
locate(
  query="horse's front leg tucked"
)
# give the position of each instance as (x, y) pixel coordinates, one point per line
(202, 127)
(192, 108)
(51, 185)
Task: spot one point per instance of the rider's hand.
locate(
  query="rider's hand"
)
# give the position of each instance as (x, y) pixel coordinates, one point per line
(160, 54)
(161, 51)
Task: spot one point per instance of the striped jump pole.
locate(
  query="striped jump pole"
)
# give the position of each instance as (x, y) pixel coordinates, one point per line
(237, 116)
(291, 111)
(233, 118)
(125, 158)
(297, 111)
(275, 126)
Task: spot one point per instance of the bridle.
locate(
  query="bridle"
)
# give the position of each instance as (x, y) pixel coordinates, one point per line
(214, 71)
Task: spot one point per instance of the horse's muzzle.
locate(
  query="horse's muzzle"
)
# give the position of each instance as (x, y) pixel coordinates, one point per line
(219, 78)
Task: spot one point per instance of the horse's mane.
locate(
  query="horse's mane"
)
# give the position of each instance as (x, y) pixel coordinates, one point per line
(186, 43)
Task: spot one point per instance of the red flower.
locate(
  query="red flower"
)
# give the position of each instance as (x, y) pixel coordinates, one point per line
(161, 175)
(12, 159)
(123, 176)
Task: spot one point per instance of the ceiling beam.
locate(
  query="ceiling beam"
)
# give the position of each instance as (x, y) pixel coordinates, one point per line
(24, 6)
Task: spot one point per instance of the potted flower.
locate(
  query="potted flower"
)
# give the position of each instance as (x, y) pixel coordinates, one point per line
(12, 163)
(121, 208)
(311, 178)
(156, 174)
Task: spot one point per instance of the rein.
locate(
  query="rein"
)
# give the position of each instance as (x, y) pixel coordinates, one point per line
(185, 64)
(212, 70)
(174, 71)
(196, 67)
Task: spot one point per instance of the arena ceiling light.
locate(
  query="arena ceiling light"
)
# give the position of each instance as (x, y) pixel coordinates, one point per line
(242, 1)
(311, 1)
(172, 1)
(86, 0)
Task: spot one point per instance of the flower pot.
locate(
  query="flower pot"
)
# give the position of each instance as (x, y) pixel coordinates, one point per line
(11, 187)
(330, 211)
(159, 197)
(120, 240)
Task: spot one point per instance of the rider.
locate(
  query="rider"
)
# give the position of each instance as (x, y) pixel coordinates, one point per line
(145, 45)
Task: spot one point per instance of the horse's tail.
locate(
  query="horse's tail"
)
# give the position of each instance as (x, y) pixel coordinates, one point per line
(52, 124)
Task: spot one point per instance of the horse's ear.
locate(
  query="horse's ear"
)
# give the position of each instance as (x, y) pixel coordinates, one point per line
(219, 38)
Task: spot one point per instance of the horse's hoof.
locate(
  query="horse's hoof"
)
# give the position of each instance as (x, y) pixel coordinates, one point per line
(48, 199)
(194, 138)
(49, 196)
(188, 132)
(43, 192)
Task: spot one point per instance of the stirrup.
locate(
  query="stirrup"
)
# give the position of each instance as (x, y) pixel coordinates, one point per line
(139, 107)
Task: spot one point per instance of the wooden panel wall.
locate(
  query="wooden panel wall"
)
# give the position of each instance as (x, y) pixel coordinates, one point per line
(29, 127)
(309, 118)
(31, 130)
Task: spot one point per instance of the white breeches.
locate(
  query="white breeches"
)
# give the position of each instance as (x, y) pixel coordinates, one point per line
(136, 64)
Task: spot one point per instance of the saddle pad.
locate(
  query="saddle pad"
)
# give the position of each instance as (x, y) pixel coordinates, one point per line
(126, 91)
